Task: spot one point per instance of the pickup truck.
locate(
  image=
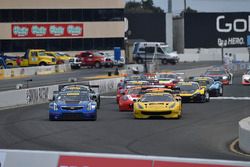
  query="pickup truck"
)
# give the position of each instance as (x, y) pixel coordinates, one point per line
(33, 57)
(94, 59)
(61, 58)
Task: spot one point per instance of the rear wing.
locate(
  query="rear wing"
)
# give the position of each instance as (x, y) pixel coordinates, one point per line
(94, 88)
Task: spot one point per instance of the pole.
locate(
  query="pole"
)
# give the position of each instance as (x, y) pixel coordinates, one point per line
(222, 54)
(169, 6)
(185, 5)
(145, 59)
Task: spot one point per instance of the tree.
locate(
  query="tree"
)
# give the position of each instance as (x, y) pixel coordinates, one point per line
(188, 10)
(145, 6)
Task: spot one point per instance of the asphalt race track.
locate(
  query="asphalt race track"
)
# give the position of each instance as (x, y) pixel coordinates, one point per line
(204, 131)
(81, 74)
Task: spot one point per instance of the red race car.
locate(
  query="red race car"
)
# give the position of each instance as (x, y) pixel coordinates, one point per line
(126, 101)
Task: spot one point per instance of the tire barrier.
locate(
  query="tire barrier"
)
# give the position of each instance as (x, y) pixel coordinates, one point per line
(17, 158)
(244, 135)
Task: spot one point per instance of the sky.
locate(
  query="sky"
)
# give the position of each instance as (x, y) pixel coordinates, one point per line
(206, 5)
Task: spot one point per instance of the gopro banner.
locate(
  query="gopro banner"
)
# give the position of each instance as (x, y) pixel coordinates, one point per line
(213, 30)
(46, 30)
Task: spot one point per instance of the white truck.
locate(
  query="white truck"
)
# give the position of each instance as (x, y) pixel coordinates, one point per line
(151, 51)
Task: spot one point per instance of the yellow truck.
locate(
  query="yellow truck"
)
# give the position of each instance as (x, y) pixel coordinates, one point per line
(61, 57)
(35, 57)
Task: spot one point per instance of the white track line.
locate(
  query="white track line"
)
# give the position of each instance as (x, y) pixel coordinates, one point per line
(213, 98)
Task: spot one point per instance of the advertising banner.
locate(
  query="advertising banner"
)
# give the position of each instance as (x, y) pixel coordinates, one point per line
(213, 30)
(46, 30)
(182, 164)
(80, 161)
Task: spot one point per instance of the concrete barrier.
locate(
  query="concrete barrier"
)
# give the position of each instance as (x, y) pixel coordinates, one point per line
(244, 135)
(17, 158)
(23, 97)
(106, 85)
(29, 71)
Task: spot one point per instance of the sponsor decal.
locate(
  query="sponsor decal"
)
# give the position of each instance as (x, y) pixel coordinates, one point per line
(2, 158)
(236, 25)
(34, 96)
(81, 161)
(46, 30)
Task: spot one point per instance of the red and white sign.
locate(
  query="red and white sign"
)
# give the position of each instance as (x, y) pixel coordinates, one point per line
(80, 161)
(46, 30)
(182, 164)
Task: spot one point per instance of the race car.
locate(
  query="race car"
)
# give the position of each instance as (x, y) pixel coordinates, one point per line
(214, 88)
(221, 75)
(169, 79)
(192, 92)
(93, 90)
(73, 105)
(246, 78)
(156, 105)
(175, 92)
(126, 101)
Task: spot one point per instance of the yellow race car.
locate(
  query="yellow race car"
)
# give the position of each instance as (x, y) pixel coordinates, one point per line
(192, 92)
(154, 105)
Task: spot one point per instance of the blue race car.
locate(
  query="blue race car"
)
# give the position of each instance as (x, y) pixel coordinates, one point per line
(69, 105)
(214, 88)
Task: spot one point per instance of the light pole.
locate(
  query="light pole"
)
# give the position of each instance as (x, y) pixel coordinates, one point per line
(222, 44)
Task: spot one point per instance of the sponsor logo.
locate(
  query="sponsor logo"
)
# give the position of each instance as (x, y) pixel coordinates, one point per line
(237, 25)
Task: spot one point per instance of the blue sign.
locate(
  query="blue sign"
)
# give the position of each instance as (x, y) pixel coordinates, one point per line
(248, 40)
(117, 53)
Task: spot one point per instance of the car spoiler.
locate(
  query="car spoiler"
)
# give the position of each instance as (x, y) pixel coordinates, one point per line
(78, 84)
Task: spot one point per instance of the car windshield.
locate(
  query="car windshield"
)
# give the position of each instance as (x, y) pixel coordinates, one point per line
(166, 49)
(73, 96)
(157, 98)
(134, 91)
(188, 87)
(41, 53)
(162, 76)
(215, 73)
(204, 82)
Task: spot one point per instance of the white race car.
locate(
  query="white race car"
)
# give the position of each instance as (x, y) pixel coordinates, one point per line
(246, 78)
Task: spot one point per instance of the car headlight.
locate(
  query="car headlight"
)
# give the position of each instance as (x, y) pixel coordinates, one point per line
(224, 77)
(140, 106)
(91, 106)
(172, 106)
(53, 106)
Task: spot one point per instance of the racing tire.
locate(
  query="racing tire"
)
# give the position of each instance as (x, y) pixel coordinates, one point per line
(173, 63)
(98, 65)
(207, 97)
(139, 61)
(221, 91)
(51, 118)
(164, 61)
(42, 64)
(94, 119)
(203, 99)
